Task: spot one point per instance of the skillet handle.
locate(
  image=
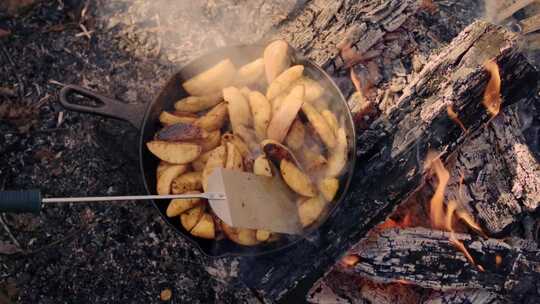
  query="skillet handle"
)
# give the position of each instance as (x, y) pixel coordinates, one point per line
(132, 113)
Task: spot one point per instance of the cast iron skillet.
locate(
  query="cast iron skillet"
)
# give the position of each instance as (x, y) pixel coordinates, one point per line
(145, 118)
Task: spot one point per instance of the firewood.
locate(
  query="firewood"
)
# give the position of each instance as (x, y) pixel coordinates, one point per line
(391, 149)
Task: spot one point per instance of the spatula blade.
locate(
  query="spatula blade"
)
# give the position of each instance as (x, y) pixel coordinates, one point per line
(256, 202)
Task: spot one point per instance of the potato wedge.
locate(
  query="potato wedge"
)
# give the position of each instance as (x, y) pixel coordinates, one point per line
(283, 81)
(261, 166)
(276, 59)
(312, 160)
(276, 103)
(320, 104)
(276, 152)
(205, 228)
(178, 206)
(211, 142)
(250, 73)
(295, 137)
(238, 142)
(181, 132)
(296, 179)
(199, 163)
(242, 236)
(189, 181)
(338, 156)
(238, 106)
(285, 115)
(320, 125)
(309, 210)
(331, 120)
(212, 80)
(191, 217)
(161, 167)
(214, 119)
(167, 118)
(328, 188)
(216, 160)
(262, 235)
(234, 158)
(249, 137)
(174, 152)
(167, 176)
(261, 111)
(313, 89)
(193, 104)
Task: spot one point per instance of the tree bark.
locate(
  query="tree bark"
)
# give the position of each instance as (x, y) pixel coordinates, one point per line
(390, 151)
(428, 258)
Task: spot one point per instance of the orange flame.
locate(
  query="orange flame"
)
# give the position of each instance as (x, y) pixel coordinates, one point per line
(350, 260)
(455, 118)
(498, 260)
(492, 95)
(440, 219)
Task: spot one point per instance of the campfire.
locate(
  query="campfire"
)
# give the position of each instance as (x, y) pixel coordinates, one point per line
(434, 193)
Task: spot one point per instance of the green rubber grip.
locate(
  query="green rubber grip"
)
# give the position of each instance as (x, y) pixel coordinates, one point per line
(20, 201)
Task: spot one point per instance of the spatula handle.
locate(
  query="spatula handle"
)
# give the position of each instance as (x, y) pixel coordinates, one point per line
(20, 201)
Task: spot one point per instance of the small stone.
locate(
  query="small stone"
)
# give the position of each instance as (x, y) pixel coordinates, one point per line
(165, 295)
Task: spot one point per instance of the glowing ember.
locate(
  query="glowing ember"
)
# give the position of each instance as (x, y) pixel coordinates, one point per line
(492, 95)
(498, 260)
(350, 260)
(358, 86)
(455, 118)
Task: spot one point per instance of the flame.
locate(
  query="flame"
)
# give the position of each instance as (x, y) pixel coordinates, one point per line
(455, 118)
(440, 219)
(498, 260)
(350, 260)
(405, 222)
(492, 95)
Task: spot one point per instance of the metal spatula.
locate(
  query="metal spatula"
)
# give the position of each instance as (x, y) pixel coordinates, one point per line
(240, 199)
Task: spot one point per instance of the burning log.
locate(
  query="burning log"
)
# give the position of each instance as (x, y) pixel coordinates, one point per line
(391, 149)
(428, 259)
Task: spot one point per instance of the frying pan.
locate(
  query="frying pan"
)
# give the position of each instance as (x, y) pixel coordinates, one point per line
(145, 117)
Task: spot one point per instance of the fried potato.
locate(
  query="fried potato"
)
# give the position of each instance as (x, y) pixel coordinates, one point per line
(276, 152)
(215, 160)
(191, 217)
(214, 119)
(320, 104)
(285, 115)
(296, 179)
(312, 160)
(309, 210)
(167, 176)
(234, 158)
(331, 120)
(320, 125)
(181, 132)
(240, 145)
(250, 73)
(338, 156)
(249, 137)
(261, 166)
(242, 236)
(295, 137)
(189, 181)
(261, 111)
(167, 118)
(178, 206)
(174, 152)
(212, 80)
(200, 162)
(283, 81)
(193, 104)
(328, 188)
(276, 103)
(276, 59)
(313, 89)
(262, 235)
(213, 140)
(205, 228)
(239, 112)
(161, 167)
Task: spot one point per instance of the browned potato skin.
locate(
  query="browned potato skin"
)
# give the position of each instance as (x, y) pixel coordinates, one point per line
(181, 132)
(174, 152)
(216, 160)
(261, 110)
(178, 206)
(165, 179)
(167, 118)
(205, 228)
(240, 145)
(191, 217)
(296, 179)
(199, 163)
(187, 182)
(262, 166)
(295, 138)
(234, 158)
(210, 142)
(214, 119)
(212, 80)
(242, 236)
(328, 188)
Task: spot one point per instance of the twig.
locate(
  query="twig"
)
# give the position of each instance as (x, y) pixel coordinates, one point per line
(8, 231)
(52, 81)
